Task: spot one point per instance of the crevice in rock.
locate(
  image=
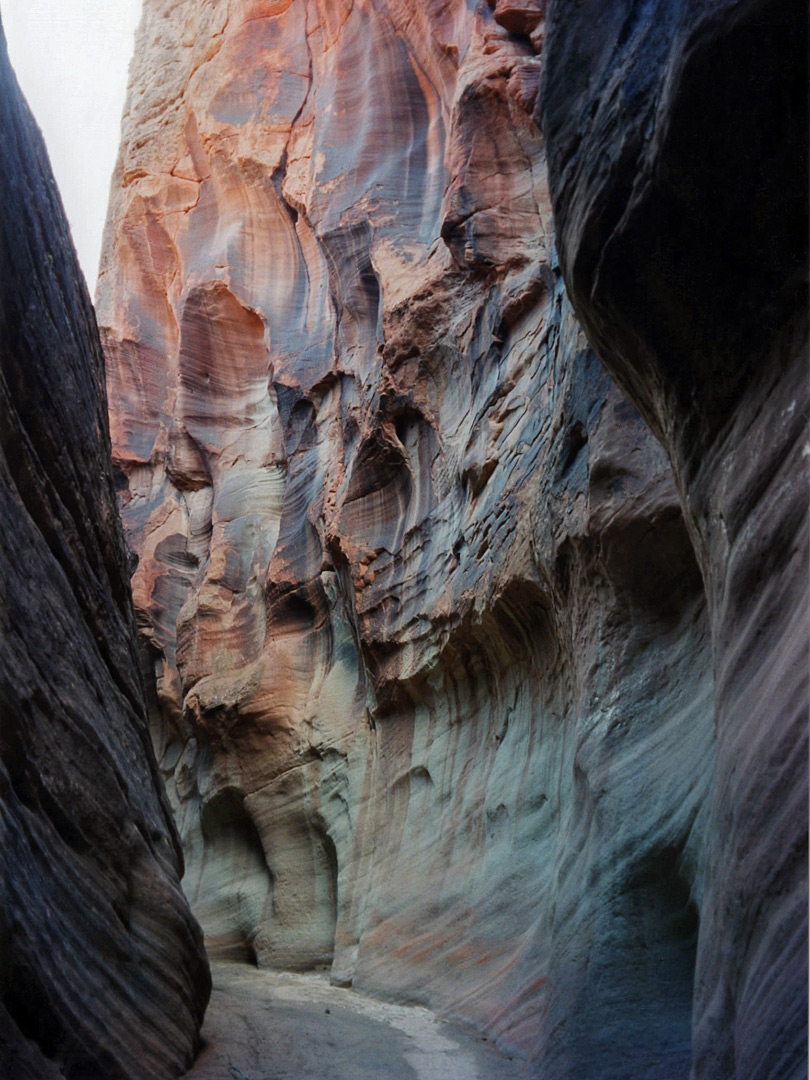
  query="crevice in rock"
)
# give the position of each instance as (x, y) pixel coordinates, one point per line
(233, 882)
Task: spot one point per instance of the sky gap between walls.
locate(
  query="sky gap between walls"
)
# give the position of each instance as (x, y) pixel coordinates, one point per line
(71, 59)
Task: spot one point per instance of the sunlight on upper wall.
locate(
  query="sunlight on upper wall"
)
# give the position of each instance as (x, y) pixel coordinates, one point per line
(71, 59)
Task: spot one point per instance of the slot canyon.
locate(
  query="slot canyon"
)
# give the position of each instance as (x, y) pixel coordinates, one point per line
(404, 585)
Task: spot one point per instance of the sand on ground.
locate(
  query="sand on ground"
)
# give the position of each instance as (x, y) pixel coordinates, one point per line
(264, 1025)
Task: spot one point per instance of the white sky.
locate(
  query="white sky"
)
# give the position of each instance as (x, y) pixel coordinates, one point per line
(71, 59)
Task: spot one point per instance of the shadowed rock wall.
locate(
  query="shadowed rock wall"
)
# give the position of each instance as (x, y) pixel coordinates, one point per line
(678, 161)
(102, 973)
(434, 686)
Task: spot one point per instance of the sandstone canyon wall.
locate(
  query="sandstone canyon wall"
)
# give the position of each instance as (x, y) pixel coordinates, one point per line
(102, 973)
(681, 212)
(434, 682)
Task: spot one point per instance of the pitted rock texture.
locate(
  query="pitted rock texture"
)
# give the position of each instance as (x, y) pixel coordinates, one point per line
(434, 687)
(102, 972)
(678, 159)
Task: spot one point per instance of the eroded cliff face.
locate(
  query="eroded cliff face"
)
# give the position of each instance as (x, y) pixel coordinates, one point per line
(102, 972)
(681, 209)
(434, 684)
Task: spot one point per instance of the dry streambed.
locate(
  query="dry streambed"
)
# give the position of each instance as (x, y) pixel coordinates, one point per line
(280, 1026)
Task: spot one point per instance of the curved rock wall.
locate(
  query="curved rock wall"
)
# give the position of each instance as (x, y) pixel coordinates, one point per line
(681, 208)
(102, 972)
(434, 685)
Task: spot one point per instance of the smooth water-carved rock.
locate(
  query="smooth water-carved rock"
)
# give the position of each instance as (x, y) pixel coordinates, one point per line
(434, 690)
(102, 971)
(678, 145)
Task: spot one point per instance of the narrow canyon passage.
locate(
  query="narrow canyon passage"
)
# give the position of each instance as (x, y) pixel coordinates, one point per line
(264, 1025)
(448, 370)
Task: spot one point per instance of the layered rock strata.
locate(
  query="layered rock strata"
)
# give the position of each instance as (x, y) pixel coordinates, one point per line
(102, 972)
(678, 163)
(434, 690)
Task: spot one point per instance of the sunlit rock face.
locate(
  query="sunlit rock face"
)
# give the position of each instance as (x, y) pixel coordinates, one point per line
(433, 677)
(102, 972)
(678, 159)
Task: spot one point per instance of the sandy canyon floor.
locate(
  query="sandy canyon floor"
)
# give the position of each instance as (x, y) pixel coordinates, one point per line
(279, 1026)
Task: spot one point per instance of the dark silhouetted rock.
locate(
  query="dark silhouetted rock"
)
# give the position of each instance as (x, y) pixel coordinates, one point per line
(677, 138)
(102, 973)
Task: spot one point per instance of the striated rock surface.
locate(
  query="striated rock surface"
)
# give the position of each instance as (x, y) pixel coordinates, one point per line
(678, 163)
(102, 973)
(434, 683)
